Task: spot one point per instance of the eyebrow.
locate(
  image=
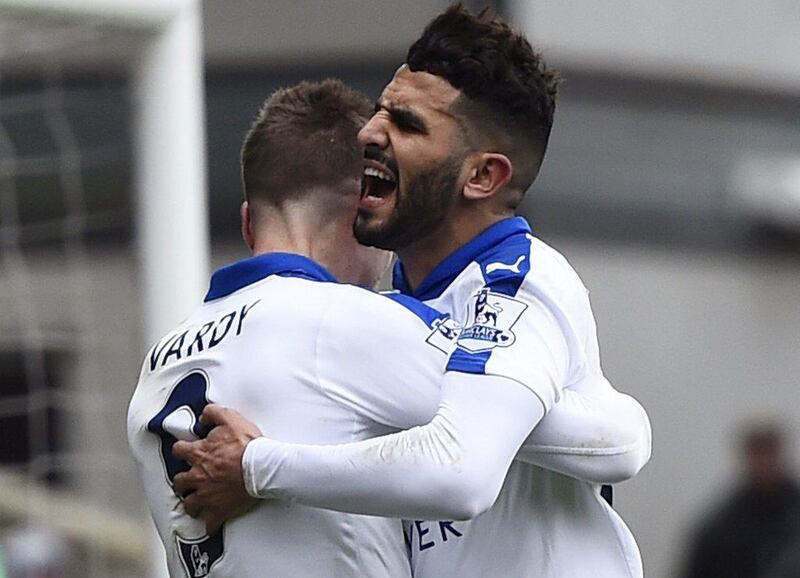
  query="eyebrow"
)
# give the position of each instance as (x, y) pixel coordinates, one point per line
(404, 118)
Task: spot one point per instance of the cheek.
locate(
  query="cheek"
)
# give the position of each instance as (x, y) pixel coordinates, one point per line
(420, 156)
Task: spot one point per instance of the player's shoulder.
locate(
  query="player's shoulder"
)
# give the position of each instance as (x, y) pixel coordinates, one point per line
(395, 322)
(550, 272)
(275, 301)
(553, 282)
(525, 263)
(548, 261)
(409, 307)
(278, 300)
(390, 308)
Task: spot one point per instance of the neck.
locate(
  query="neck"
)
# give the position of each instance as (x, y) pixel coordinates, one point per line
(422, 257)
(302, 230)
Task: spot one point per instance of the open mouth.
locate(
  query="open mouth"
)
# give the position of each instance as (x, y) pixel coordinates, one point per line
(377, 185)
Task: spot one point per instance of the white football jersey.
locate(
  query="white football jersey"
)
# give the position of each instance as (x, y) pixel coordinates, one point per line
(305, 359)
(519, 301)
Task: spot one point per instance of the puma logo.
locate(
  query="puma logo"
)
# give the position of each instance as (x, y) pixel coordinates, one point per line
(492, 267)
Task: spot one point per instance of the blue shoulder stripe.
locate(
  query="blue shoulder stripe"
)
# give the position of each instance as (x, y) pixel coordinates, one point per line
(467, 362)
(427, 314)
(504, 269)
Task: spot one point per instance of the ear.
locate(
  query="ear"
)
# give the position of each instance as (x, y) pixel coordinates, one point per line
(247, 225)
(488, 173)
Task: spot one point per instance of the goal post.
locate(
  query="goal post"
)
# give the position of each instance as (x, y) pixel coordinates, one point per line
(164, 68)
(147, 14)
(169, 135)
(171, 177)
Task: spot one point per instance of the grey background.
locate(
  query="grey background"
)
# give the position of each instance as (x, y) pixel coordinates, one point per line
(696, 287)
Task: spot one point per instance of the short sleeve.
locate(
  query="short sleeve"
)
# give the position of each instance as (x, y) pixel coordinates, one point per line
(382, 358)
(519, 337)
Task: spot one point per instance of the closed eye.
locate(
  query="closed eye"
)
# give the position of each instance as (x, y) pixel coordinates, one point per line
(405, 119)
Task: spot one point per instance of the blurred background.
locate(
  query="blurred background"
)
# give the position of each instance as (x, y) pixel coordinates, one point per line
(672, 184)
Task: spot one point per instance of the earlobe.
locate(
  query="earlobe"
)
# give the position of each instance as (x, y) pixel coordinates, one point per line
(247, 225)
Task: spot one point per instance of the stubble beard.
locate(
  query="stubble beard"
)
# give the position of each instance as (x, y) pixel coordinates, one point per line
(418, 212)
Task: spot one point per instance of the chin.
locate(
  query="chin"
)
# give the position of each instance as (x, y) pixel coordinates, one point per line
(373, 237)
(367, 226)
(382, 232)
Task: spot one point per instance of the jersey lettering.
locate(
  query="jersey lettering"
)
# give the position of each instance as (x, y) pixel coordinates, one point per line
(186, 344)
(425, 541)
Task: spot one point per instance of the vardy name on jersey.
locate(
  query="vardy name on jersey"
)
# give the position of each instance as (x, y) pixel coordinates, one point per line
(178, 346)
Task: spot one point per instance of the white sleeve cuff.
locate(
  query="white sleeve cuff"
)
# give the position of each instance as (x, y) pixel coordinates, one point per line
(257, 465)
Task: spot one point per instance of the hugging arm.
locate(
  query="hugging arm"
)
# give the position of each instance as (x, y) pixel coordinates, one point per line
(454, 465)
(464, 448)
(451, 468)
(602, 436)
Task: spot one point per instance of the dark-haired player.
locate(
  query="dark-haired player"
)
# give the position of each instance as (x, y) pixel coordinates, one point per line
(458, 136)
(312, 361)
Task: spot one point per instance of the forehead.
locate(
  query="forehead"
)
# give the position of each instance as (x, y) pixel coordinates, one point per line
(420, 91)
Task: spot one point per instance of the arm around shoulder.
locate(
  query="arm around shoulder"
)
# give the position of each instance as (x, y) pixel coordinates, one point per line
(450, 468)
(602, 438)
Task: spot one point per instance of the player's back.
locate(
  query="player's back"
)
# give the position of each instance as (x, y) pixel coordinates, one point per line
(254, 350)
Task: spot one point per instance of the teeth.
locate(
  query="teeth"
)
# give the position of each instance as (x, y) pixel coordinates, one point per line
(373, 172)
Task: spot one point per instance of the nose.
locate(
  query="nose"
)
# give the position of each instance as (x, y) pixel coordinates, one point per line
(374, 133)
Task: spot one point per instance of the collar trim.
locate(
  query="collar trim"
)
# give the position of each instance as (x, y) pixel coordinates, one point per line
(451, 267)
(248, 271)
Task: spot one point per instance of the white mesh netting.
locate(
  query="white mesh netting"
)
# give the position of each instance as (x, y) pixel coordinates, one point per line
(69, 310)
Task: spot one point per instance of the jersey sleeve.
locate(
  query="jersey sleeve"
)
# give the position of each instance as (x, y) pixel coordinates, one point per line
(598, 435)
(450, 468)
(518, 335)
(383, 358)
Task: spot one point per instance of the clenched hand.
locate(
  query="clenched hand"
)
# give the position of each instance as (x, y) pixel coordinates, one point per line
(213, 489)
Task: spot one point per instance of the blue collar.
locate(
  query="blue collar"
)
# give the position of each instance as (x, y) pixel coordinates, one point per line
(246, 272)
(451, 267)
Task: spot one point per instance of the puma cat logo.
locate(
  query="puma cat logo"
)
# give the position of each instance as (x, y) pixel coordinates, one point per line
(492, 267)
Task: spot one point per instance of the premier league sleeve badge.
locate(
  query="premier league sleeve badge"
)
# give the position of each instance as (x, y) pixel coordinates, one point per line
(491, 317)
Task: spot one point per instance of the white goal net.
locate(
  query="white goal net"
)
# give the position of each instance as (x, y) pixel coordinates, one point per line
(103, 246)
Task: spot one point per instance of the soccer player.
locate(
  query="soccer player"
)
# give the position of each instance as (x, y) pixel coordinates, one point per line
(457, 137)
(312, 361)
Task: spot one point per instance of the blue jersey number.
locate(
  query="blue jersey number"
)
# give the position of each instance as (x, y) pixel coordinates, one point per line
(180, 415)
(183, 408)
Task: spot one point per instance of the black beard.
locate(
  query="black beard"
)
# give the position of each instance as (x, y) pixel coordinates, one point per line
(418, 212)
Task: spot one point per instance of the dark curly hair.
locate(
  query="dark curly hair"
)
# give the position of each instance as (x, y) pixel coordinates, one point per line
(508, 92)
(304, 136)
